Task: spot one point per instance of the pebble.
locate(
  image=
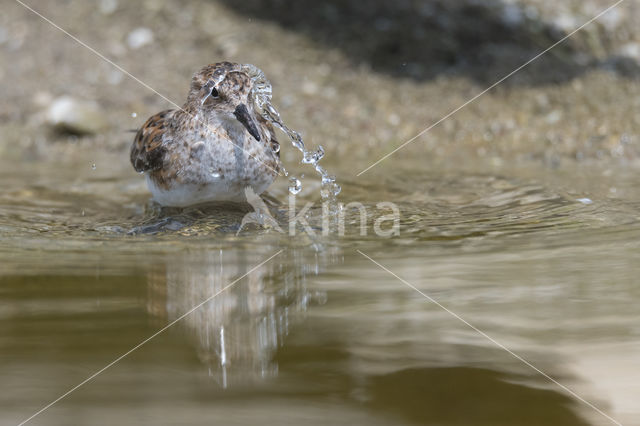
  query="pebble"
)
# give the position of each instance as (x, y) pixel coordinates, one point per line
(115, 77)
(612, 19)
(139, 37)
(554, 116)
(74, 116)
(512, 15)
(107, 7)
(630, 50)
(309, 88)
(565, 22)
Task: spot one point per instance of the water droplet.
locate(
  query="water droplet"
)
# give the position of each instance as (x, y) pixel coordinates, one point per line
(312, 157)
(134, 114)
(213, 173)
(296, 186)
(326, 180)
(93, 166)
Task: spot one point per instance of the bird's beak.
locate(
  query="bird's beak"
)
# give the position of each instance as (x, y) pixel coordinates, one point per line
(242, 114)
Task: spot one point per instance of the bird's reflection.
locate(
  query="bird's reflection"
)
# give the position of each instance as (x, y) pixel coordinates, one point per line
(237, 333)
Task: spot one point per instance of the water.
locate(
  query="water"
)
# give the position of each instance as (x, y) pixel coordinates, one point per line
(295, 185)
(262, 93)
(320, 331)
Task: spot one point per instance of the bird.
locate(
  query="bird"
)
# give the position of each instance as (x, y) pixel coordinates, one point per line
(211, 149)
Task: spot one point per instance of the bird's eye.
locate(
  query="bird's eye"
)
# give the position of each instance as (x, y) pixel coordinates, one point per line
(214, 92)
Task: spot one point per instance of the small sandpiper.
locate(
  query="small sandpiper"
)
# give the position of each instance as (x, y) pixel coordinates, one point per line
(212, 148)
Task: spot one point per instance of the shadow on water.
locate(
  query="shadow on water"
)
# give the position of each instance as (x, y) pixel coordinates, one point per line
(423, 39)
(450, 395)
(191, 220)
(453, 395)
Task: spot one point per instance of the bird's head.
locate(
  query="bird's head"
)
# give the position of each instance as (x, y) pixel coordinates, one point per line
(224, 88)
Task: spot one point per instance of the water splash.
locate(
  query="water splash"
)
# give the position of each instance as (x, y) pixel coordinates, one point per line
(262, 93)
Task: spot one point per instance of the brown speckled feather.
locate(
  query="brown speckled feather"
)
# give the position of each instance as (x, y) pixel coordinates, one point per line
(148, 148)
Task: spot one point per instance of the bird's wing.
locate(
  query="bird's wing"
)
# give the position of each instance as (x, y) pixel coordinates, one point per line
(147, 150)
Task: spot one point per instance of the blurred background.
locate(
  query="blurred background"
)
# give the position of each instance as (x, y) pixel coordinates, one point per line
(357, 77)
(520, 213)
